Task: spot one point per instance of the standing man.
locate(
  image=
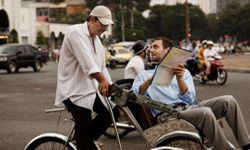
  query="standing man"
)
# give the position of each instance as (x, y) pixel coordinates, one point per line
(136, 64)
(83, 78)
(203, 115)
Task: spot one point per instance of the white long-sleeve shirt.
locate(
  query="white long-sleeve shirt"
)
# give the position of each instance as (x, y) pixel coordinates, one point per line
(78, 60)
(210, 54)
(134, 67)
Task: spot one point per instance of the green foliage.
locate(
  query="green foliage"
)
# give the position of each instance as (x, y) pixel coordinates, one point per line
(41, 39)
(212, 29)
(13, 37)
(234, 20)
(170, 21)
(243, 22)
(69, 19)
(137, 6)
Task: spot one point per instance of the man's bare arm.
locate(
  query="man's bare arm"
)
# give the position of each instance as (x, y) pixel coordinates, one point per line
(103, 83)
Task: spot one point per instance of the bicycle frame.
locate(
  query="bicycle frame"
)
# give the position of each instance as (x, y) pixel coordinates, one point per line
(122, 96)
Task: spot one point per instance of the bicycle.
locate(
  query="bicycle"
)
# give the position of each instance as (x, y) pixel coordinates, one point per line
(169, 134)
(50, 141)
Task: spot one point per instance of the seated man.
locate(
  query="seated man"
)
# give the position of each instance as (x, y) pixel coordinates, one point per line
(181, 90)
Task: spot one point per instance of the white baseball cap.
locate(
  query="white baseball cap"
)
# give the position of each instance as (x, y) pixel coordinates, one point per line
(103, 14)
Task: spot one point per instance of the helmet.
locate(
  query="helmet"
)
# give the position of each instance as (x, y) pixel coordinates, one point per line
(139, 46)
(210, 43)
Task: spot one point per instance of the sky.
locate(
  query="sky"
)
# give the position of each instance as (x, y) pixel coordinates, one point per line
(153, 2)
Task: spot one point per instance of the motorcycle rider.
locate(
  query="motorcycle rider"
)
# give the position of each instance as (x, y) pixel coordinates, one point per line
(209, 55)
(200, 57)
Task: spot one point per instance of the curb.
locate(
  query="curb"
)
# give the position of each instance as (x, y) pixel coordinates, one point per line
(240, 70)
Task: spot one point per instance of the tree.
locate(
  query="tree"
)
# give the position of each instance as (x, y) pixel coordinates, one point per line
(234, 20)
(243, 21)
(132, 9)
(169, 21)
(41, 39)
(228, 18)
(13, 37)
(212, 29)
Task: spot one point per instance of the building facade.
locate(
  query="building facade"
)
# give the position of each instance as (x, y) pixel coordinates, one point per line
(17, 18)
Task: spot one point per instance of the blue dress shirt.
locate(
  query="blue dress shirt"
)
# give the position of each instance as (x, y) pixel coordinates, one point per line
(171, 94)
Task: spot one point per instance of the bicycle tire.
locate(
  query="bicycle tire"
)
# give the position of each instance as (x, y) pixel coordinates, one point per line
(186, 143)
(49, 143)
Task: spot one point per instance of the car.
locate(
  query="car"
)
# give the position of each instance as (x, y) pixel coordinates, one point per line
(118, 55)
(218, 48)
(15, 56)
(126, 44)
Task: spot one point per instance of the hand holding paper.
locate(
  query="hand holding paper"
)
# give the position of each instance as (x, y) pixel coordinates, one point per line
(178, 70)
(169, 66)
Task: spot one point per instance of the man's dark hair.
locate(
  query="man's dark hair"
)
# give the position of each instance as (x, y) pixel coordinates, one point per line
(89, 17)
(165, 41)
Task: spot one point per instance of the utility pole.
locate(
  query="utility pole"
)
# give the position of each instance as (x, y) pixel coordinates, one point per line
(132, 14)
(122, 23)
(48, 13)
(187, 22)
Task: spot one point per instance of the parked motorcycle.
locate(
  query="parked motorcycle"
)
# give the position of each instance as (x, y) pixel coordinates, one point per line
(218, 72)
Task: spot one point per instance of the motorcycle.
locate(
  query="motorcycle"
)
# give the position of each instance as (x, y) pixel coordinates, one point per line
(217, 72)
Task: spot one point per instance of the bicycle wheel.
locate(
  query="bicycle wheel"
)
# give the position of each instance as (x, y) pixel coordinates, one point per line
(186, 143)
(49, 143)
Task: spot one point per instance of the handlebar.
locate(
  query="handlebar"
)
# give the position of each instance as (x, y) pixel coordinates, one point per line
(54, 110)
(122, 96)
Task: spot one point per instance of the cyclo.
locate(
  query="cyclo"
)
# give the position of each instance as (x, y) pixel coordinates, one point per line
(169, 133)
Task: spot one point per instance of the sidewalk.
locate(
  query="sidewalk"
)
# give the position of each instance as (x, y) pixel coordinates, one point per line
(239, 62)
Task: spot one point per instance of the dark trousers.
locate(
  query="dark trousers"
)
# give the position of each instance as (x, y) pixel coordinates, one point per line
(87, 129)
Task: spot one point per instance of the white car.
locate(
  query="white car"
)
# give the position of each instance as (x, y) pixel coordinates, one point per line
(218, 48)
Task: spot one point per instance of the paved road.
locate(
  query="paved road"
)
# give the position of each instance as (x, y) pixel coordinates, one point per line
(25, 96)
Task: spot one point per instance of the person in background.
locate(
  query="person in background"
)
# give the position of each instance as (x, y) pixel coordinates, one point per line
(200, 57)
(194, 48)
(181, 90)
(136, 63)
(83, 79)
(209, 55)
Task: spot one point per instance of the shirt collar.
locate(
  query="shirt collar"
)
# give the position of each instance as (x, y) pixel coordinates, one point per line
(85, 28)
